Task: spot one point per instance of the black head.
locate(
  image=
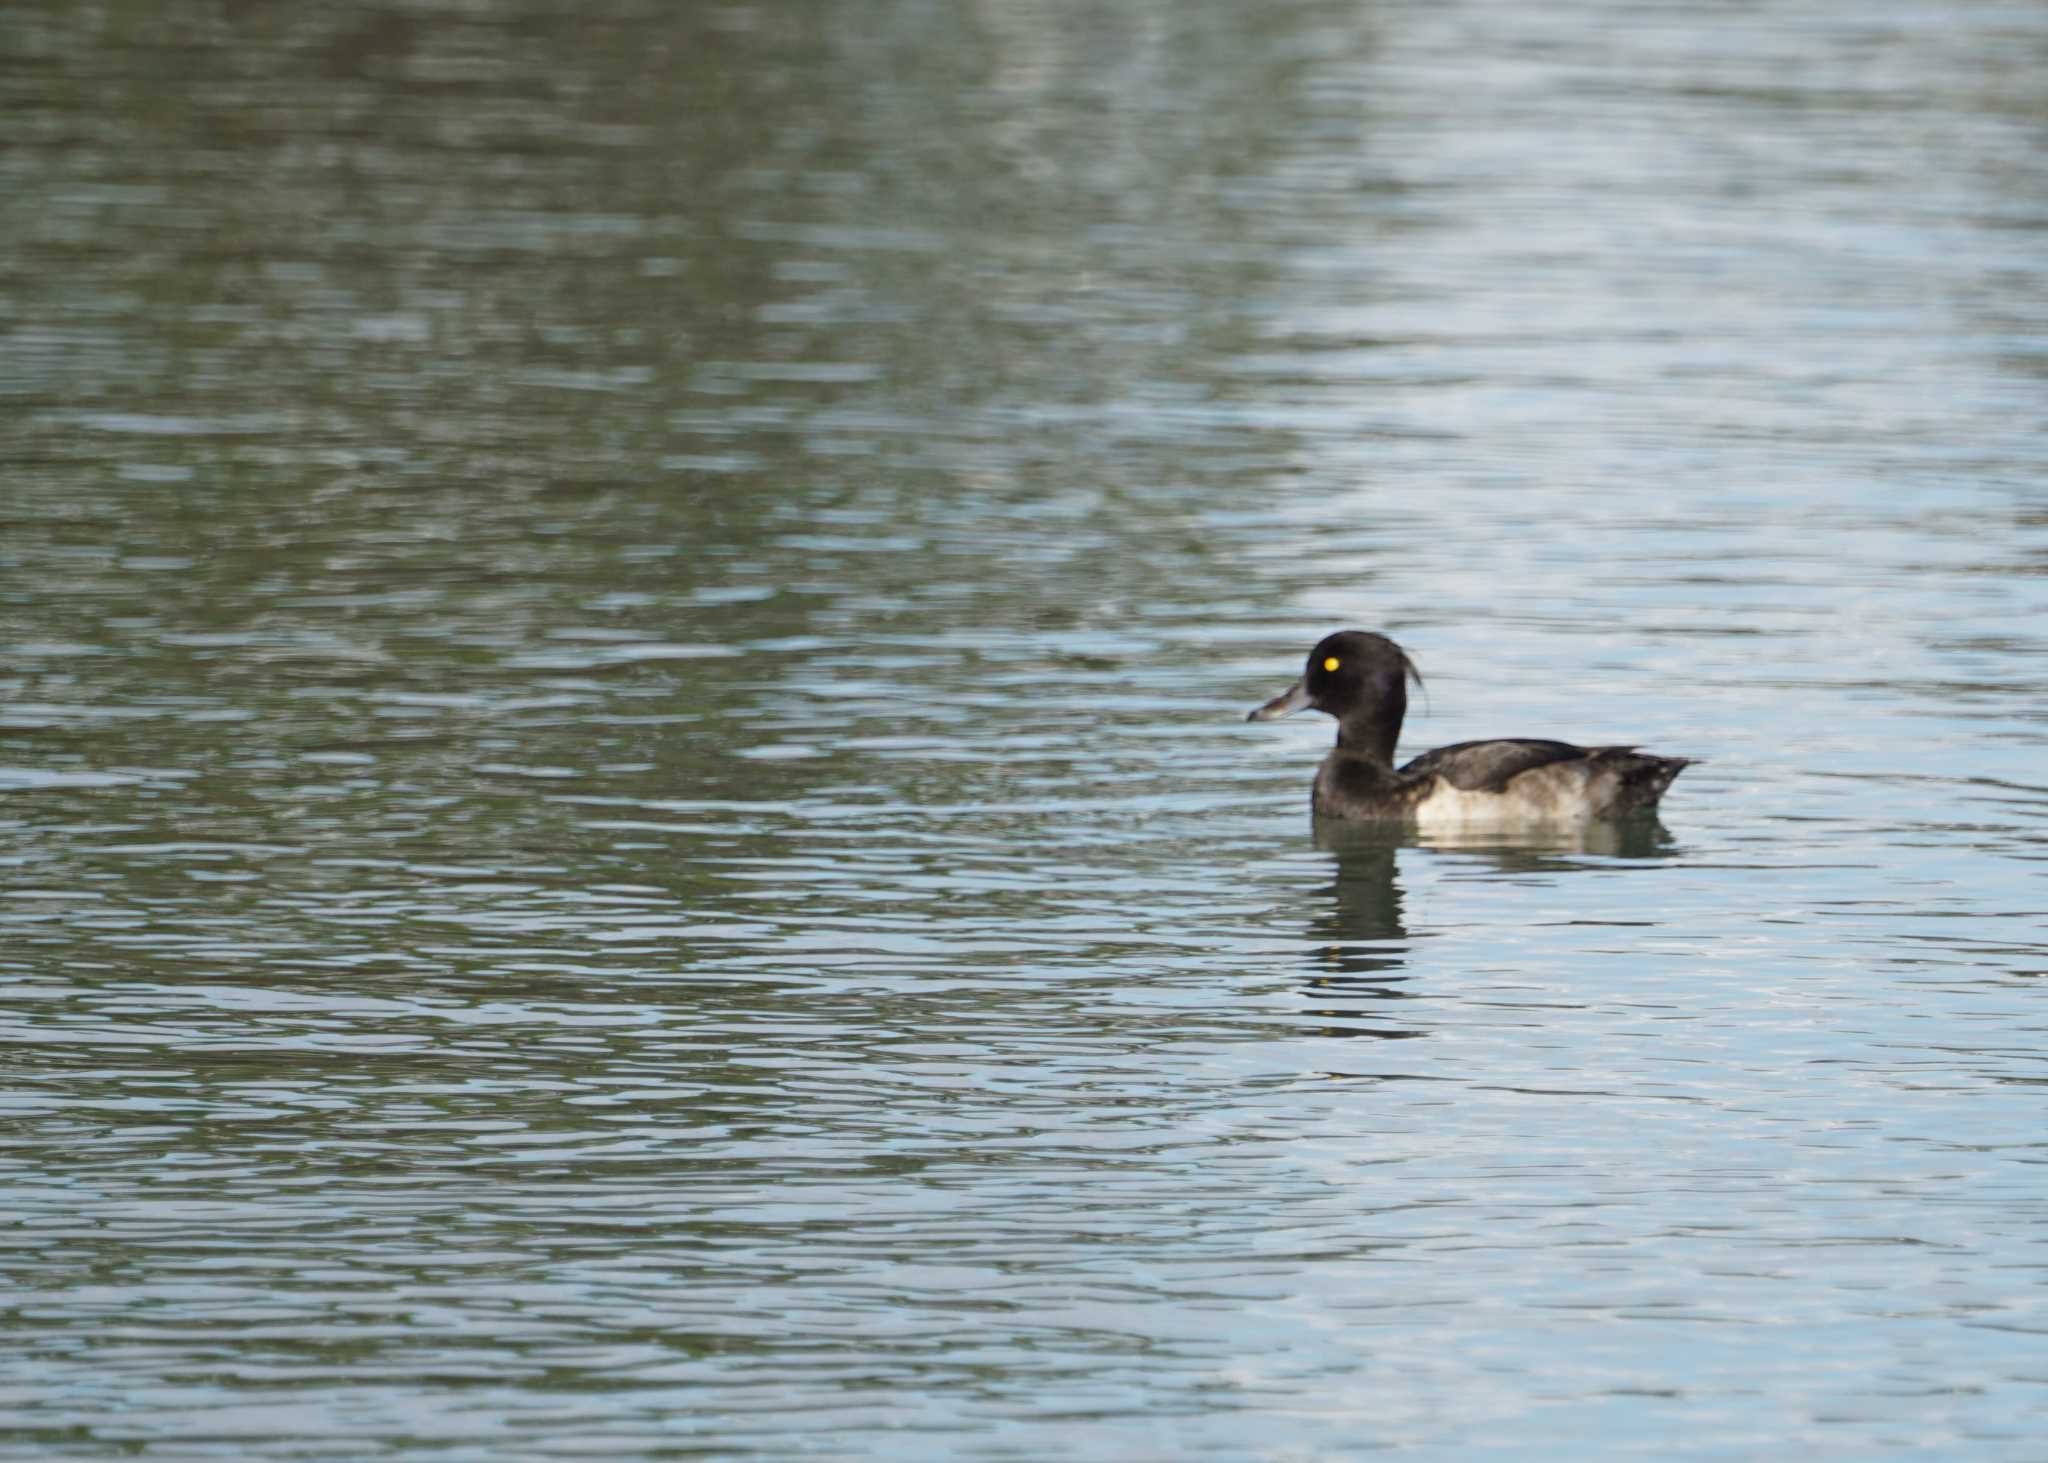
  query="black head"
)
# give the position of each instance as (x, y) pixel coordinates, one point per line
(1361, 679)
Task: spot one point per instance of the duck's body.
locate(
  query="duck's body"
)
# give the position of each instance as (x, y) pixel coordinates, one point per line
(1512, 781)
(1361, 679)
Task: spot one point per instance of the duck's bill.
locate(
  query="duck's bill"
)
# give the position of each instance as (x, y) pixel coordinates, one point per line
(1294, 698)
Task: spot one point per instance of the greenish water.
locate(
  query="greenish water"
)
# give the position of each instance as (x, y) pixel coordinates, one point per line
(625, 818)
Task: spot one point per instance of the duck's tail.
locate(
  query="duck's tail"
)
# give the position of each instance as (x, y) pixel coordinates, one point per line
(1639, 778)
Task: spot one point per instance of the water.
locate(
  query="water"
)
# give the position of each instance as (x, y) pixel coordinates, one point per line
(625, 822)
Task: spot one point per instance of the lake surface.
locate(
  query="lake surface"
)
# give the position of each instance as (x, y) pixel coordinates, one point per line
(625, 819)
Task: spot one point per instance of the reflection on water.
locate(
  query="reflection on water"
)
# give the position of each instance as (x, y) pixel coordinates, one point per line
(623, 823)
(1358, 946)
(1553, 848)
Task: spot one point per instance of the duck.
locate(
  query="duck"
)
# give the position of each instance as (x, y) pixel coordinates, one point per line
(1361, 678)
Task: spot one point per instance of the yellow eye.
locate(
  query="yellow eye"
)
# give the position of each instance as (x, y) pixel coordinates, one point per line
(1330, 662)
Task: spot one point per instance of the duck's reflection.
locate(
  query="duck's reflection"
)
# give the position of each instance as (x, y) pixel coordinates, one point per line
(1518, 850)
(1358, 943)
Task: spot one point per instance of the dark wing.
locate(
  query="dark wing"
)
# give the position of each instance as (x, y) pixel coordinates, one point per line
(1487, 766)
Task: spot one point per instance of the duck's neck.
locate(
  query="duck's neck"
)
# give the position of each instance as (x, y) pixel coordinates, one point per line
(1371, 732)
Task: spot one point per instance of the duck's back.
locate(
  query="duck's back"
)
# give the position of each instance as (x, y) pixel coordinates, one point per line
(1488, 766)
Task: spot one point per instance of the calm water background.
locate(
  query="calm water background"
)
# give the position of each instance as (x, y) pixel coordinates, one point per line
(624, 819)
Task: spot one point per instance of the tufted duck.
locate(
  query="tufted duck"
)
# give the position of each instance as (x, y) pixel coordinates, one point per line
(1361, 679)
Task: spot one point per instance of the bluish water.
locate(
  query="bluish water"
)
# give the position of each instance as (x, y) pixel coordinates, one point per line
(625, 818)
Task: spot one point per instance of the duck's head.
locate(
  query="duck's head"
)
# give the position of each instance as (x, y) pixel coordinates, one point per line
(1356, 676)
